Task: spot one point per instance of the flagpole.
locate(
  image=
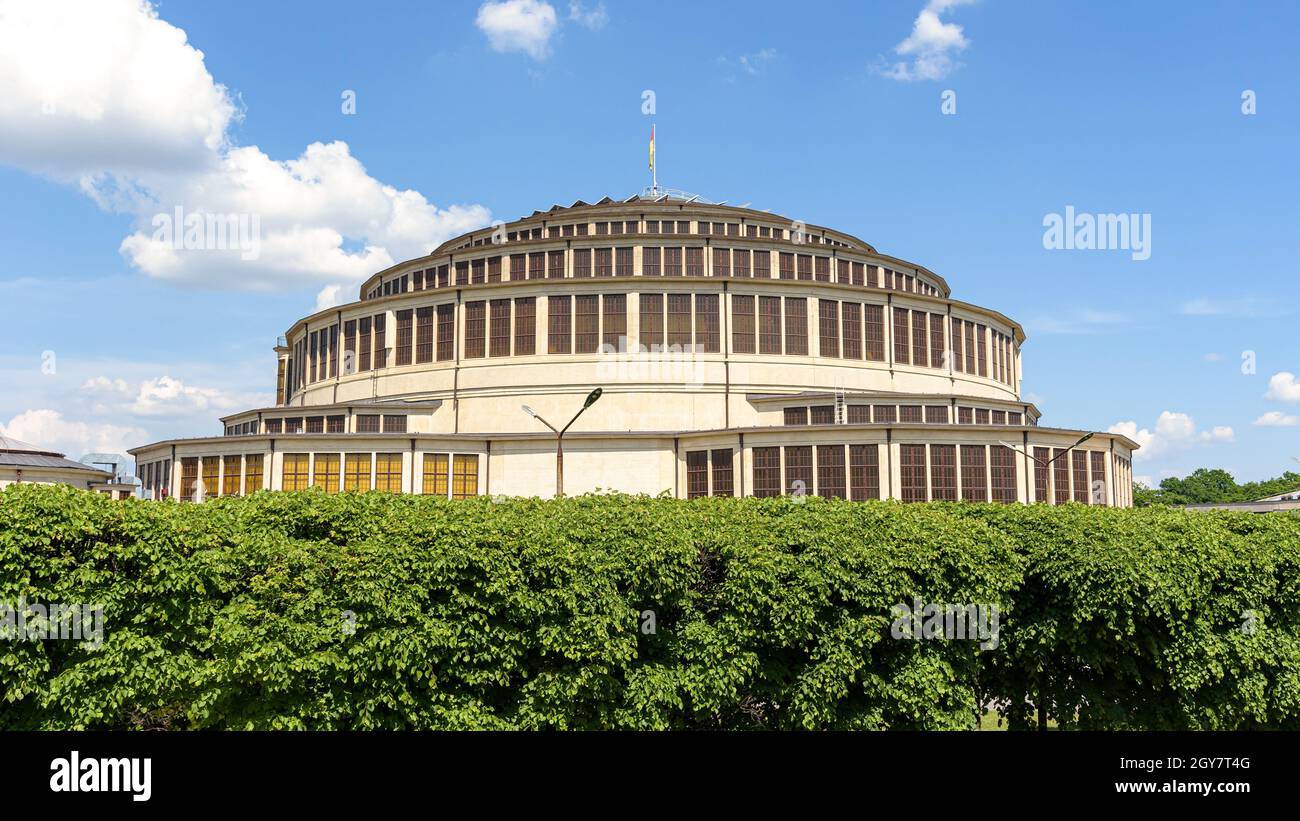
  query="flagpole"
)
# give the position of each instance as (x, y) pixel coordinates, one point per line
(654, 170)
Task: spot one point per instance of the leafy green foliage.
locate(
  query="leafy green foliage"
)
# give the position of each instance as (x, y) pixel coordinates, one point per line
(367, 611)
(1207, 486)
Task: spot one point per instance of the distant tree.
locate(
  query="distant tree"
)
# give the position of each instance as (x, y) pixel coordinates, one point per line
(1210, 486)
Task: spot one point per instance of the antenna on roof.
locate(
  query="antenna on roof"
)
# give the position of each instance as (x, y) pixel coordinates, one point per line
(654, 174)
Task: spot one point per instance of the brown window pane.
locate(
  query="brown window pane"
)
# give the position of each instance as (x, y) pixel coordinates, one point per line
(823, 414)
(909, 413)
(842, 271)
(804, 266)
(559, 322)
(767, 472)
(1079, 461)
(851, 313)
(499, 342)
(943, 473)
(404, 337)
(694, 262)
(796, 416)
(859, 414)
(974, 487)
(799, 470)
(769, 324)
(830, 472)
(537, 265)
(555, 265)
(424, 334)
(252, 473)
(315, 424)
(335, 424)
(902, 333)
(478, 267)
(525, 325)
(650, 262)
(721, 262)
(652, 321)
(673, 262)
(740, 262)
(582, 262)
(1097, 479)
(981, 335)
(446, 332)
(822, 269)
(936, 341)
(494, 269)
(623, 262)
(742, 321)
(911, 467)
(829, 326)
(614, 332)
(874, 315)
(936, 414)
(697, 474)
(367, 423)
(920, 336)
(381, 352)
(1041, 455)
(394, 423)
(1061, 475)
(864, 472)
(796, 326)
(965, 416)
(462, 272)
(884, 414)
(604, 262)
(786, 261)
(707, 327)
(981, 416)
(586, 323)
(1002, 461)
(475, 329)
(679, 321)
(762, 264)
(232, 475)
(720, 463)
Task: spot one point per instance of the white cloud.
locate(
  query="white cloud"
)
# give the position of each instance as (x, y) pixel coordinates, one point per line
(164, 396)
(109, 96)
(595, 18)
(1284, 387)
(1277, 419)
(1213, 357)
(518, 25)
(49, 430)
(1173, 431)
(930, 46)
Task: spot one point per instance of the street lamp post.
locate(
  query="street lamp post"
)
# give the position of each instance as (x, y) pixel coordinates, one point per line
(559, 437)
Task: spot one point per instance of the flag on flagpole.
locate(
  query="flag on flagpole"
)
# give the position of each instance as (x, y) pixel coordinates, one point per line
(652, 148)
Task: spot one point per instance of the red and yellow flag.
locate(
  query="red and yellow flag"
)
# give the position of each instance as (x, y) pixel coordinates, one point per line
(652, 148)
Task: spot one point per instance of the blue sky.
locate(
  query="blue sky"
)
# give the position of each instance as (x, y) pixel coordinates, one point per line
(466, 114)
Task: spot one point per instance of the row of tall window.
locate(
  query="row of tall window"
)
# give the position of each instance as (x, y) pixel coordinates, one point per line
(332, 423)
(898, 414)
(454, 475)
(654, 260)
(609, 227)
(1076, 475)
(213, 476)
(582, 323)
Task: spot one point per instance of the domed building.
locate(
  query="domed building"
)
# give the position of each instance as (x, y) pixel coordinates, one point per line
(735, 352)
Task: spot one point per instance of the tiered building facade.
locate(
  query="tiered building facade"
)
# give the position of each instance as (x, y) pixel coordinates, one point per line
(738, 353)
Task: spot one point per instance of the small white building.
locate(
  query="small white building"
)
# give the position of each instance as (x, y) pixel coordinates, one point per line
(21, 462)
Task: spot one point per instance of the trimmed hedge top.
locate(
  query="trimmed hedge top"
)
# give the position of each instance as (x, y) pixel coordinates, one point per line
(360, 611)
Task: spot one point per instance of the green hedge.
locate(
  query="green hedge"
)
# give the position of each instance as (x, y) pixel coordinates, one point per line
(301, 610)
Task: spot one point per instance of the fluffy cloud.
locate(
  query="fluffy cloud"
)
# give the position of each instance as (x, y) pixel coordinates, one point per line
(109, 96)
(1249, 307)
(594, 18)
(49, 430)
(928, 50)
(165, 396)
(1277, 419)
(518, 25)
(1283, 387)
(1173, 431)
